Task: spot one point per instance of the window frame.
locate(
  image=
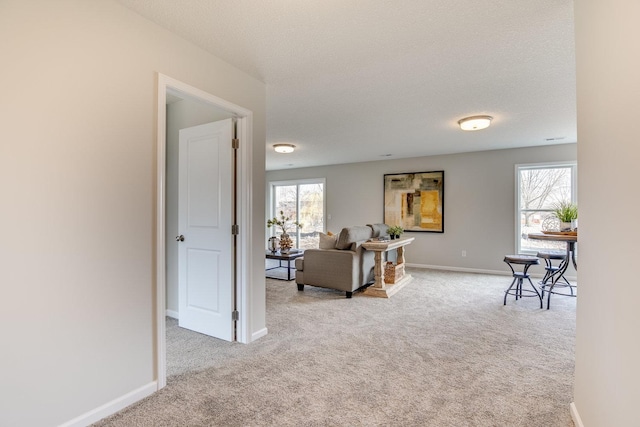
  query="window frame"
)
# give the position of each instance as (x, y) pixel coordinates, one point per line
(297, 183)
(572, 165)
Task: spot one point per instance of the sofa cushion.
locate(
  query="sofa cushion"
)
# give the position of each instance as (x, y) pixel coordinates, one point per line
(350, 235)
(327, 241)
(379, 230)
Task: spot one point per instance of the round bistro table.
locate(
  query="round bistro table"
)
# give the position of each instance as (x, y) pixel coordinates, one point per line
(571, 240)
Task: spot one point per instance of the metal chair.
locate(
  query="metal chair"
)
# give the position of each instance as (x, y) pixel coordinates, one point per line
(518, 277)
(554, 281)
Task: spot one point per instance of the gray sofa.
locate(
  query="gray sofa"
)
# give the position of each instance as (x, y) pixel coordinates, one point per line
(345, 267)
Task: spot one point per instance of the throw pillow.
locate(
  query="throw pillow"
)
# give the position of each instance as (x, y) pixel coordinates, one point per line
(327, 241)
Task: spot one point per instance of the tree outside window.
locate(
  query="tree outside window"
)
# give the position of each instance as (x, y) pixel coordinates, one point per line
(302, 201)
(540, 188)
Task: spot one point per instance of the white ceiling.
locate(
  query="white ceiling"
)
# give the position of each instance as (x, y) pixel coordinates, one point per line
(358, 80)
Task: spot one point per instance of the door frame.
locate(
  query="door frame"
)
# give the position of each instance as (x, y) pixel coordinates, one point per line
(244, 126)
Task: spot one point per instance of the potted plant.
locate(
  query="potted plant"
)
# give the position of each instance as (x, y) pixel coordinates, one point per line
(567, 213)
(284, 223)
(395, 231)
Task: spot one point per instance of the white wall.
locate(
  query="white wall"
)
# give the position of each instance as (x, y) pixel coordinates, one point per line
(607, 377)
(77, 180)
(180, 115)
(479, 201)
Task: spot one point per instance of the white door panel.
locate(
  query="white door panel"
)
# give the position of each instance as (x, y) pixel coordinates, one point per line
(205, 257)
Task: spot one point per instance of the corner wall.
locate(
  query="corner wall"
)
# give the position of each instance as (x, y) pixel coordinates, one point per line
(607, 374)
(479, 201)
(78, 183)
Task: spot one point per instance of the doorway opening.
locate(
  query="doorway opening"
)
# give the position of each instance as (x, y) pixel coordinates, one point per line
(211, 108)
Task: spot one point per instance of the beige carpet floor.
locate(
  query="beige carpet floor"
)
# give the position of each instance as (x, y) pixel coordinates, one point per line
(444, 351)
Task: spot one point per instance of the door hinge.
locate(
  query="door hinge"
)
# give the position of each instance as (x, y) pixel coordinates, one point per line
(235, 143)
(235, 229)
(235, 315)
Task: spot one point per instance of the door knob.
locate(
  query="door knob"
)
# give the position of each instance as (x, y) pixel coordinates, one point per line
(180, 238)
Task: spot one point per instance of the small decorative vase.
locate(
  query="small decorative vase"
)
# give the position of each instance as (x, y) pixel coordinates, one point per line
(273, 244)
(565, 226)
(285, 243)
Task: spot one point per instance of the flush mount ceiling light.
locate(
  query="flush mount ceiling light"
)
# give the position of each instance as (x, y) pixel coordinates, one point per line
(475, 122)
(284, 148)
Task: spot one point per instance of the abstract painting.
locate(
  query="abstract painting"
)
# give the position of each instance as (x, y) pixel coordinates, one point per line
(415, 201)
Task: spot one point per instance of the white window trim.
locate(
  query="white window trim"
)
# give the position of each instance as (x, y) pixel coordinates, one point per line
(573, 164)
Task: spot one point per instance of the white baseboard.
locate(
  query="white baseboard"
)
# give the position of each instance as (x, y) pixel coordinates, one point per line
(258, 334)
(463, 269)
(112, 407)
(575, 416)
(476, 270)
(172, 313)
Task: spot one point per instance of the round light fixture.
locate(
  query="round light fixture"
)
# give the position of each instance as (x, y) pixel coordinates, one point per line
(284, 148)
(475, 122)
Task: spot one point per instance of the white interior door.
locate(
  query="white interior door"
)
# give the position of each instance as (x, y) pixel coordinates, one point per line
(205, 256)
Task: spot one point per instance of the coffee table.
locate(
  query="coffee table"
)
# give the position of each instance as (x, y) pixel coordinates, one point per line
(288, 257)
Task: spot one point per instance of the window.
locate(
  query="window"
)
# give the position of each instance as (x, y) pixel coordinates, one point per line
(302, 201)
(539, 188)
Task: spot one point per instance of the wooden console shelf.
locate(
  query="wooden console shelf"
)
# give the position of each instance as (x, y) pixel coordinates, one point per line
(379, 287)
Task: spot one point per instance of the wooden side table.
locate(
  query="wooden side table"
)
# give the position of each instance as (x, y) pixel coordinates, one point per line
(379, 287)
(288, 257)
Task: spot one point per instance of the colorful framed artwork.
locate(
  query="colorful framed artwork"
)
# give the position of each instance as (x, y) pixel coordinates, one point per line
(415, 201)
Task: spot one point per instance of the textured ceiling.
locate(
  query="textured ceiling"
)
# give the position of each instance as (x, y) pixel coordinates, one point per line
(358, 80)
